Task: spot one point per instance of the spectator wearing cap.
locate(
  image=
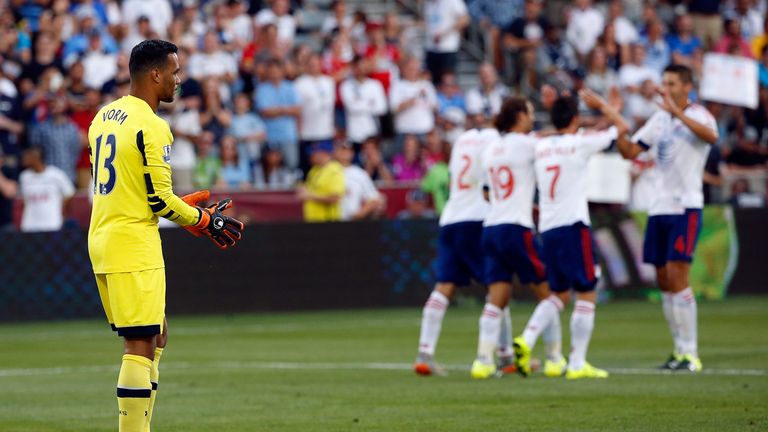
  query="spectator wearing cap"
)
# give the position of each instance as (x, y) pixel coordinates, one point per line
(732, 41)
(325, 186)
(658, 55)
(445, 20)
(416, 207)
(684, 44)
(484, 101)
(235, 172)
(278, 14)
(271, 172)
(45, 190)
(247, 128)
(279, 105)
(364, 101)
(159, 12)
(525, 32)
(59, 138)
(413, 100)
(450, 95)
(361, 198)
(317, 93)
(409, 165)
(584, 27)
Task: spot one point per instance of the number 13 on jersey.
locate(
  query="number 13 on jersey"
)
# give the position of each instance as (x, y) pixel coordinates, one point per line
(103, 165)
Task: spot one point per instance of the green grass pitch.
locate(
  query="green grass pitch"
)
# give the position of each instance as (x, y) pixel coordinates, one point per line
(350, 371)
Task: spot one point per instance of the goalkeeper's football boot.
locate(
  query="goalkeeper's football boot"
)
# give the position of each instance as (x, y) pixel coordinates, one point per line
(522, 356)
(425, 365)
(672, 362)
(587, 371)
(555, 369)
(482, 370)
(689, 363)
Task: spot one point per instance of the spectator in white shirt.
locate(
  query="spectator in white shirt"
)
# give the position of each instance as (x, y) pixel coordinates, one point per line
(584, 27)
(100, 67)
(279, 15)
(212, 61)
(364, 101)
(413, 101)
(186, 128)
(632, 75)
(626, 33)
(639, 109)
(159, 13)
(317, 93)
(445, 20)
(484, 101)
(361, 198)
(45, 190)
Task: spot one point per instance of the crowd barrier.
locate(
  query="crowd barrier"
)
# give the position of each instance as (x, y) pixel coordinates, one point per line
(297, 266)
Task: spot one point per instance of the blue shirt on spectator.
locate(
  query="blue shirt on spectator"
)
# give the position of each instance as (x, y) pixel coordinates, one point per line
(444, 102)
(499, 12)
(245, 124)
(236, 174)
(77, 45)
(657, 55)
(686, 48)
(763, 75)
(282, 129)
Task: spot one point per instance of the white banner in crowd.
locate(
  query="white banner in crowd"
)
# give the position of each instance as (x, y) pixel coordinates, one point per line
(608, 179)
(730, 80)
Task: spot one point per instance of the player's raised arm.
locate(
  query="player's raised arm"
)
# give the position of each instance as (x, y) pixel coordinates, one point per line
(706, 133)
(594, 101)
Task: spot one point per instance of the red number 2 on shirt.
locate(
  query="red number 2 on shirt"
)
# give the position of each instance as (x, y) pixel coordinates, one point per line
(464, 170)
(556, 170)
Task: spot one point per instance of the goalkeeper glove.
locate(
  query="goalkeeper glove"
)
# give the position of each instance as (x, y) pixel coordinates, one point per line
(223, 230)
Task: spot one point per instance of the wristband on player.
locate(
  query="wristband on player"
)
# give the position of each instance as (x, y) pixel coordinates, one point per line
(224, 231)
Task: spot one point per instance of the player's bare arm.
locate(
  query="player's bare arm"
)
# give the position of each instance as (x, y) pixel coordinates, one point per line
(704, 132)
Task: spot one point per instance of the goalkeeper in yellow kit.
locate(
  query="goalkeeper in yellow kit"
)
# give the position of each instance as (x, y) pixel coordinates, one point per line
(130, 154)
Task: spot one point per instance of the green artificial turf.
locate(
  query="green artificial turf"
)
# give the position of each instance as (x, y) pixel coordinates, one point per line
(350, 371)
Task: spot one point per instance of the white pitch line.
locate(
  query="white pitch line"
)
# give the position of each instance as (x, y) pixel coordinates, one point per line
(24, 372)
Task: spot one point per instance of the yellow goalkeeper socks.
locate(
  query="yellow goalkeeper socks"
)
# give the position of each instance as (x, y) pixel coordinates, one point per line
(154, 376)
(133, 393)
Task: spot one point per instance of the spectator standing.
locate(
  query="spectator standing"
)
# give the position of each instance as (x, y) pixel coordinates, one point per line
(279, 15)
(279, 106)
(59, 138)
(584, 27)
(271, 172)
(413, 101)
(235, 172)
(361, 198)
(364, 101)
(247, 128)
(445, 20)
(317, 93)
(325, 186)
(683, 44)
(409, 165)
(384, 56)
(45, 190)
(484, 101)
(494, 16)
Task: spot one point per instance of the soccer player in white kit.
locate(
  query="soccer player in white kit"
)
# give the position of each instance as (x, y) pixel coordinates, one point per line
(679, 136)
(459, 250)
(510, 244)
(564, 223)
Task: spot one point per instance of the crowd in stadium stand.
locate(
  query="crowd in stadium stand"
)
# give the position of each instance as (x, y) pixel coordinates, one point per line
(263, 82)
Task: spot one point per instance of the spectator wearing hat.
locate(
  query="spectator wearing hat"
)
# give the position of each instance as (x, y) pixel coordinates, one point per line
(493, 16)
(271, 172)
(452, 123)
(413, 100)
(361, 198)
(445, 20)
(279, 105)
(484, 101)
(324, 189)
(416, 207)
(45, 190)
(364, 101)
(317, 93)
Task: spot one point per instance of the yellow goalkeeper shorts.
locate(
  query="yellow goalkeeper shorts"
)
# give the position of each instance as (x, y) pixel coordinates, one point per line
(134, 301)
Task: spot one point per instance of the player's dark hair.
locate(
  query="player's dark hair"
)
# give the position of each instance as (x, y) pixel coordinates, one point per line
(510, 109)
(683, 72)
(563, 111)
(150, 54)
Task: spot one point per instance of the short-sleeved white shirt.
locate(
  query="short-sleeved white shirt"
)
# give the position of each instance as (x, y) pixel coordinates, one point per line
(508, 166)
(318, 97)
(561, 176)
(363, 102)
(441, 17)
(680, 158)
(466, 202)
(286, 24)
(420, 117)
(44, 194)
(359, 190)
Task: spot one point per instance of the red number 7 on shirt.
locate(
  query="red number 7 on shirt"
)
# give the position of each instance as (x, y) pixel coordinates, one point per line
(556, 170)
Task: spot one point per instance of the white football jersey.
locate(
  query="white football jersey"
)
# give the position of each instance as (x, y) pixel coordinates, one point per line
(561, 176)
(680, 158)
(508, 166)
(466, 202)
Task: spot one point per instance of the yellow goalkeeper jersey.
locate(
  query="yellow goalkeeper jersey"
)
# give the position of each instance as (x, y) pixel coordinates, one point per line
(130, 155)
